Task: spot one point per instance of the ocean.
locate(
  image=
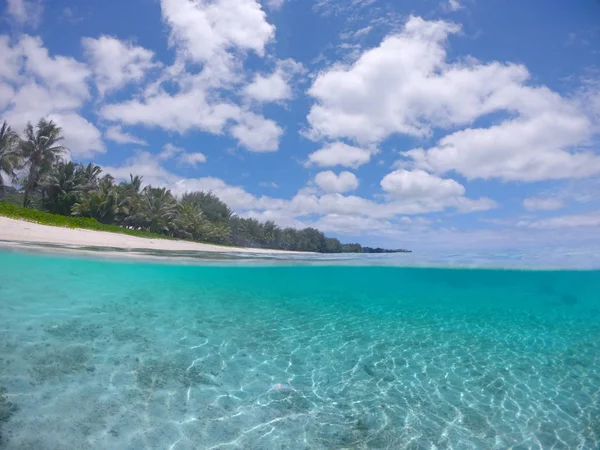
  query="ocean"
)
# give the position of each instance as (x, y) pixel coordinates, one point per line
(105, 354)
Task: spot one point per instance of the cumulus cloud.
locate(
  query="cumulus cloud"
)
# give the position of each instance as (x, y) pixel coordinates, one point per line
(218, 35)
(25, 12)
(339, 154)
(205, 32)
(116, 63)
(195, 109)
(276, 86)
(408, 184)
(180, 112)
(407, 86)
(257, 133)
(170, 151)
(82, 138)
(34, 84)
(527, 149)
(328, 181)
(184, 158)
(269, 88)
(192, 159)
(59, 73)
(116, 134)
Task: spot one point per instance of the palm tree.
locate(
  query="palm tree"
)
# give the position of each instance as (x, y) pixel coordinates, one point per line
(129, 198)
(101, 204)
(157, 211)
(134, 184)
(62, 186)
(213, 207)
(41, 150)
(10, 157)
(189, 222)
(88, 176)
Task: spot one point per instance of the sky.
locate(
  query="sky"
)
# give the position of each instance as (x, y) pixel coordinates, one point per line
(438, 124)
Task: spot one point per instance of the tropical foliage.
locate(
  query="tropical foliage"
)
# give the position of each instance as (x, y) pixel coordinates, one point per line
(94, 200)
(9, 153)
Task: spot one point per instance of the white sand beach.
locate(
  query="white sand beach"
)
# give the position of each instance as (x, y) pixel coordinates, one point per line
(19, 232)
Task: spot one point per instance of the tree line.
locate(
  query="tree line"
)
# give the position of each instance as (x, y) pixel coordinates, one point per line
(51, 183)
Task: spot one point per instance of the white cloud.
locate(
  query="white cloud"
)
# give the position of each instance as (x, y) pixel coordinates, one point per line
(454, 5)
(7, 95)
(180, 112)
(543, 203)
(212, 39)
(57, 72)
(275, 4)
(405, 184)
(25, 12)
(339, 154)
(407, 86)
(527, 149)
(196, 108)
(205, 32)
(40, 85)
(271, 88)
(276, 86)
(591, 219)
(10, 59)
(146, 165)
(171, 151)
(386, 90)
(116, 134)
(116, 63)
(330, 182)
(82, 138)
(192, 159)
(257, 133)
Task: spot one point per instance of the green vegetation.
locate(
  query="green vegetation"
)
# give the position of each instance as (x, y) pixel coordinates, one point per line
(56, 220)
(63, 193)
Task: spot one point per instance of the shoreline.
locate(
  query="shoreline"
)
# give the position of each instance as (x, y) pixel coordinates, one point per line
(24, 233)
(30, 237)
(250, 259)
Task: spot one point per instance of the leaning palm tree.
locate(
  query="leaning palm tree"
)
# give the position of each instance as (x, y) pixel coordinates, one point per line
(40, 150)
(10, 157)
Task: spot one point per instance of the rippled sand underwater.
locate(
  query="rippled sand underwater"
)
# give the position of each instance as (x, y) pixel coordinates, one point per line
(122, 355)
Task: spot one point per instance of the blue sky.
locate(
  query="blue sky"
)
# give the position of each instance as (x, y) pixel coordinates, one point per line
(454, 124)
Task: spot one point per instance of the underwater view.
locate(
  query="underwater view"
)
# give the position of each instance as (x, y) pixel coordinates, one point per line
(99, 354)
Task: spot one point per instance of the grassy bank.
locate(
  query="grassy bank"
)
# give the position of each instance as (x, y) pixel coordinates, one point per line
(56, 220)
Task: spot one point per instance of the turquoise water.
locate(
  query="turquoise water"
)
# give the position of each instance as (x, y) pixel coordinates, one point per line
(120, 355)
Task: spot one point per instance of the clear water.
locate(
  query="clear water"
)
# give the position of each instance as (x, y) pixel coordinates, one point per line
(120, 355)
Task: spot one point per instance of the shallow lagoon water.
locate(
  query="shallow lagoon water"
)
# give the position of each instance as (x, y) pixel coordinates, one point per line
(133, 355)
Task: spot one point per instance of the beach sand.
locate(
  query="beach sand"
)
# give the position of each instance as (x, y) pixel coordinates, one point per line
(19, 232)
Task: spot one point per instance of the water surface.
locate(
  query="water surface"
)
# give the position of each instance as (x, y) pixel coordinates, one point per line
(133, 355)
